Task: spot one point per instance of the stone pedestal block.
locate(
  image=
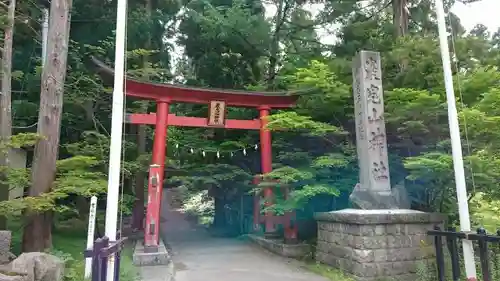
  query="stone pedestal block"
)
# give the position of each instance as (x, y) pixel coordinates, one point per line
(143, 257)
(376, 244)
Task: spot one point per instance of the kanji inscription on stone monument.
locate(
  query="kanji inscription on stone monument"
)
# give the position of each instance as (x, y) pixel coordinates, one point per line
(370, 125)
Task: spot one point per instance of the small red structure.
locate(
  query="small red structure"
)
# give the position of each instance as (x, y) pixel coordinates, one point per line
(217, 100)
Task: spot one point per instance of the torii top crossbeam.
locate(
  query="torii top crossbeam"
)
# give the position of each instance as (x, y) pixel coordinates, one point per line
(184, 94)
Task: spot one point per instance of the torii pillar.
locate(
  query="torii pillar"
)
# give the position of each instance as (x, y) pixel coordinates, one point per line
(156, 175)
(266, 165)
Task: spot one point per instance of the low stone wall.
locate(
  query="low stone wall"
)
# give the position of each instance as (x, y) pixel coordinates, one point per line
(376, 244)
(295, 251)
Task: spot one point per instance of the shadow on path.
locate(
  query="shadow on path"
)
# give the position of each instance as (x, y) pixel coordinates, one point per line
(199, 257)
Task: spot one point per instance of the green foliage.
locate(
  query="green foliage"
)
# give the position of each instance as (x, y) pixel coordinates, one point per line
(435, 169)
(287, 175)
(485, 212)
(19, 141)
(75, 176)
(332, 160)
(328, 99)
(306, 182)
(216, 175)
(301, 196)
(290, 120)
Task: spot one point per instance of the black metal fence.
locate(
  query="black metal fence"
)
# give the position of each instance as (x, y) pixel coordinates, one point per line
(101, 251)
(487, 251)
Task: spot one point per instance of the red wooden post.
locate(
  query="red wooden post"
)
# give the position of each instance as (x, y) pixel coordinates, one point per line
(266, 162)
(156, 173)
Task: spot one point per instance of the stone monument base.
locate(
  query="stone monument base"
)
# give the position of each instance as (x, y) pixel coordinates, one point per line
(144, 257)
(375, 245)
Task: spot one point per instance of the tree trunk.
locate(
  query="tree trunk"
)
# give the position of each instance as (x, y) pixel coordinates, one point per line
(5, 102)
(37, 231)
(401, 22)
(140, 181)
(219, 210)
(400, 17)
(274, 48)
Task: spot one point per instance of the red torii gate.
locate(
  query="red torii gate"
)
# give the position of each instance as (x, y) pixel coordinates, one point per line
(164, 95)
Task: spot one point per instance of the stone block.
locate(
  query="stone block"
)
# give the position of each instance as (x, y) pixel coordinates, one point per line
(379, 217)
(5, 241)
(407, 254)
(278, 247)
(39, 266)
(376, 246)
(142, 257)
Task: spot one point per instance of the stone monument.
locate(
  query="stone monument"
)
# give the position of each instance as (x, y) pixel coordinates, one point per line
(382, 239)
(374, 188)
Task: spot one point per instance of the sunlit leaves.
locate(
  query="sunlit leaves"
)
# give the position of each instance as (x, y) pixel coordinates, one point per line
(288, 174)
(328, 99)
(428, 165)
(485, 211)
(310, 191)
(490, 102)
(478, 83)
(76, 163)
(199, 204)
(291, 121)
(333, 160)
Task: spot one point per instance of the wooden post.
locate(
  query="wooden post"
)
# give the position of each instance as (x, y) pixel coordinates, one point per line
(103, 259)
(94, 254)
(37, 233)
(5, 98)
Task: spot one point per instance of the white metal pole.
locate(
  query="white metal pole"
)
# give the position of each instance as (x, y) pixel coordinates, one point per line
(45, 32)
(456, 144)
(116, 132)
(90, 234)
